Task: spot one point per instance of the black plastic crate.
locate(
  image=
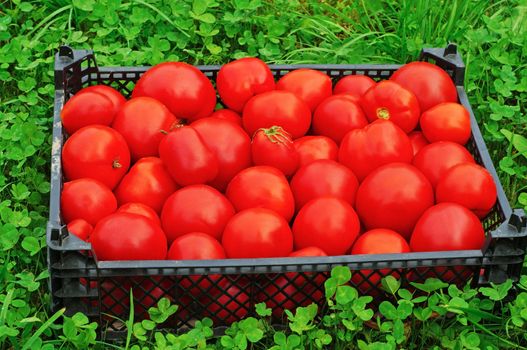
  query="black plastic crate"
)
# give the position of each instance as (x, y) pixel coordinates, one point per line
(226, 290)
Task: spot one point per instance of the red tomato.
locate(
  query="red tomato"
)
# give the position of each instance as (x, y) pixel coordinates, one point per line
(183, 88)
(187, 158)
(141, 121)
(394, 197)
(281, 108)
(310, 85)
(337, 115)
(274, 147)
(115, 96)
(147, 182)
(354, 85)
(311, 148)
(80, 228)
(241, 79)
(229, 115)
(382, 142)
(197, 246)
(308, 251)
(86, 199)
(97, 152)
(390, 101)
(418, 141)
(447, 226)
(231, 305)
(470, 185)
(446, 122)
(262, 187)
(435, 159)
(328, 223)
(322, 178)
(140, 209)
(229, 143)
(125, 236)
(257, 233)
(430, 84)
(196, 208)
(89, 108)
(115, 297)
(377, 241)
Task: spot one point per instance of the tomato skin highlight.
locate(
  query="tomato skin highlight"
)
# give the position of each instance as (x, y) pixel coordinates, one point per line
(196, 208)
(435, 159)
(140, 209)
(147, 182)
(97, 152)
(430, 84)
(382, 142)
(181, 87)
(390, 101)
(125, 236)
(447, 226)
(311, 148)
(446, 122)
(80, 228)
(470, 185)
(353, 85)
(141, 121)
(274, 147)
(281, 108)
(336, 116)
(262, 187)
(241, 79)
(257, 233)
(418, 141)
(323, 178)
(394, 196)
(89, 108)
(188, 160)
(310, 85)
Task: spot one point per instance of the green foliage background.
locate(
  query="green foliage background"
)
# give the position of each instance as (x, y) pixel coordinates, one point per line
(492, 38)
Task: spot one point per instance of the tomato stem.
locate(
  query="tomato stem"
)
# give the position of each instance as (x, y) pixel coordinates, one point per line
(383, 113)
(116, 164)
(276, 134)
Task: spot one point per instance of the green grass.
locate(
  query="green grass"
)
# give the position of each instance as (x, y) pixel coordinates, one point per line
(492, 38)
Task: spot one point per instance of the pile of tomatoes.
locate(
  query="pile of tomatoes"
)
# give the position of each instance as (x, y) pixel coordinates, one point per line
(304, 166)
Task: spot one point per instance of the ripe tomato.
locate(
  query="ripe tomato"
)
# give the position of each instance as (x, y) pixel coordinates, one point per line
(353, 85)
(390, 101)
(274, 147)
(446, 121)
(257, 233)
(281, 108)
(262, 187)
(231, 305)
(328, 223)
(89, 108)
(447, 226)
(308, 251)
(418, 141)
(311, 148)
(182, 88)
(80, 228)
(125, 236)
(229, 115)
(86, 199)
(382, 142)
(310, 85)
(435, 159)
(336, 116)
(115, 96)
(147, 182)
(394, 197)
(197, 246)
(322, 178)
(430, 84)
(230, 144)
(241, 79)
(141, 121)
(377, 241)
(97, 152)
(188, 160)
(470, 185)
(140, 209)
(196, 208)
